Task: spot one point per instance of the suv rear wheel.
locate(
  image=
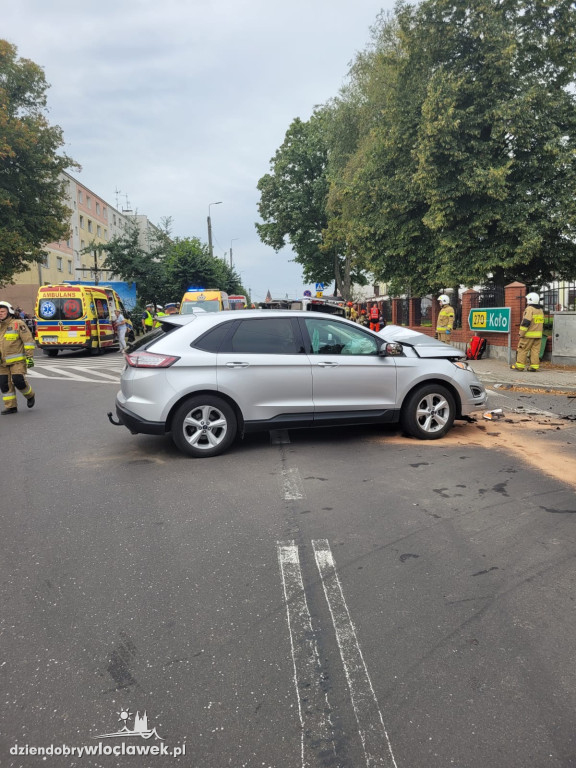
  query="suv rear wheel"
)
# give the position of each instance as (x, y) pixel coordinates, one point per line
(429, 412)
(204, 426)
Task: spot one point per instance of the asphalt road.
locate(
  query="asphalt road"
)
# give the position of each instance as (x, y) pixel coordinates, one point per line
(324, 598)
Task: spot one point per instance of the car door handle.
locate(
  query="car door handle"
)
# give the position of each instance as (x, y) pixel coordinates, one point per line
(237, 365)
(328, 365)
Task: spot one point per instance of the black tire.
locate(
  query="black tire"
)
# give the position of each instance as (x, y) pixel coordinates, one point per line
(217, 433)
(429, 412)
(50, 352)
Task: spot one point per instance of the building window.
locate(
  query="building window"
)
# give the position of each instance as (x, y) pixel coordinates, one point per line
(105, 234)
(82, 245)
(89, 225)
(59, 263)
(69, 267)
(99, 230)
(105, 212)
(46, 262)
(68, 243)
(80, 196)
(89, 202)
(81, 222)
(98, 208)
(114, 218)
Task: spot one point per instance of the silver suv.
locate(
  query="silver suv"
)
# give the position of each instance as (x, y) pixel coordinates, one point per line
(208, 377)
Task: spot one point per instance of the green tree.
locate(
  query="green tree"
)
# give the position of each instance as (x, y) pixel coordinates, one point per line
(188, 262)
(143, 263)
(293, 201)
(32, 208)
(465, 160)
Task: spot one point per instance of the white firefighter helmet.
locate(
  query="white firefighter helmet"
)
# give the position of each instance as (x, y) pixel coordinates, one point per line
(444, 299)
(533, 298)
(8, 306)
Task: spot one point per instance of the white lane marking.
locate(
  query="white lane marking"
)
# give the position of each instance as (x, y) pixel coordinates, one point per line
(62, 376)
(313, 707)
(279, 437)
(110, 376)
(377, 747)
(292, 487)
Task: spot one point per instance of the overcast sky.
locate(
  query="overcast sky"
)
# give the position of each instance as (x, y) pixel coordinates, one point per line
(182, 103)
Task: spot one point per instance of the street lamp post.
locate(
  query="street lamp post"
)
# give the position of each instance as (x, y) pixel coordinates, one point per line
(210, 249)
(231, 241)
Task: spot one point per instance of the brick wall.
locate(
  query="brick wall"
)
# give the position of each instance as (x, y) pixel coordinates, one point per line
(515, 298)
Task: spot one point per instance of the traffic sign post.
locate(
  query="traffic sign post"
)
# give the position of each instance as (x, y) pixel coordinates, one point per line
(492, 320)
(319, 290)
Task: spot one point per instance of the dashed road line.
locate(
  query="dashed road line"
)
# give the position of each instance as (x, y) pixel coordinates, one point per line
(279, 437)
(292, 486)
(313, 708)
(375, 741)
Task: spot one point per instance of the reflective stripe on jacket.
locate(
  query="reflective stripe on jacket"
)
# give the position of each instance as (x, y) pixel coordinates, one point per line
(445, 319)
(16, 342)
(532, 323)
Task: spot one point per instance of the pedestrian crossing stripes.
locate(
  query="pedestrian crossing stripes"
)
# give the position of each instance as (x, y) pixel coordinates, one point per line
(103, 370)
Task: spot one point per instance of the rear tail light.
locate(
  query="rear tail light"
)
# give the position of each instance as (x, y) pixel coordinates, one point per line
(150, 360)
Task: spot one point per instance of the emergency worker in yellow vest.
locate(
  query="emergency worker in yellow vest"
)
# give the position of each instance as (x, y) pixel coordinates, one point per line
(16, 355)
(445, 321)
(530, 336)
(148, 318)
(159, 315)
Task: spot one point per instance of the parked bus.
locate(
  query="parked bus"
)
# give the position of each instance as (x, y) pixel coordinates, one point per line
(237, 302)
(207, 300)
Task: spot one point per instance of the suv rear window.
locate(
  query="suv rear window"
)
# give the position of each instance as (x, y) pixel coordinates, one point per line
(212, 340)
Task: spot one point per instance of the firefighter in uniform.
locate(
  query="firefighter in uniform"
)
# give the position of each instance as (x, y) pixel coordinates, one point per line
(530, 336)
(16, 355)
(374, 318)
(445, 321)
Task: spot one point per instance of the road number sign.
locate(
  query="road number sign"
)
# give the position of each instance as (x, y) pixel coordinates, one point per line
(490, 319)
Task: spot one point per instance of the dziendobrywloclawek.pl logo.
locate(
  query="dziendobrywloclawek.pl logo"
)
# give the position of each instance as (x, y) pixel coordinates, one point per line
(130, 742)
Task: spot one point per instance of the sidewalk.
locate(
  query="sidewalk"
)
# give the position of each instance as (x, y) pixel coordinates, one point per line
(551, 377)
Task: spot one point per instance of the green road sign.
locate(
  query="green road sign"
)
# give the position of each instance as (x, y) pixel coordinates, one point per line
(490, 319)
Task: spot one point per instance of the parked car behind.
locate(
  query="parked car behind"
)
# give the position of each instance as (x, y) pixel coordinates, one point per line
(207, 378)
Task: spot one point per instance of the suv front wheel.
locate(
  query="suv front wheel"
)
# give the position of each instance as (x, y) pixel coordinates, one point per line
(429, 412)
(204, 426)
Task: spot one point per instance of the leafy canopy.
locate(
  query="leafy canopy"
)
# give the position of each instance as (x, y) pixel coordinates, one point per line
(32, 195)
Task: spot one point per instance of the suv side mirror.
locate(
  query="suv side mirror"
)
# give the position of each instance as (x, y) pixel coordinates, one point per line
(390, 348)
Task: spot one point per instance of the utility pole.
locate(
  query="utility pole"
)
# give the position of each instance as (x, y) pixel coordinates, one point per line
(231, 241)
(96, 270)
(210, 249)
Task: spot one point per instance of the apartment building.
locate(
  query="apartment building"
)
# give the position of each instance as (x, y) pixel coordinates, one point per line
(93, 223)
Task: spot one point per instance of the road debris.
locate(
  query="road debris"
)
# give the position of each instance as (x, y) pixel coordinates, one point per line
(494, 415)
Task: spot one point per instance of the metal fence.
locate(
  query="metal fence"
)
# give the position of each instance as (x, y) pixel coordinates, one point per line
(490, 296)
(558, 296)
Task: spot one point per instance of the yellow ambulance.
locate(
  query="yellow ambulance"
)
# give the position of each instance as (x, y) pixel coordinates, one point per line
(72, 317)
(197, 298)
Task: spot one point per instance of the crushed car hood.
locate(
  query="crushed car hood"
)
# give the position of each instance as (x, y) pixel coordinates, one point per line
(424, 346)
